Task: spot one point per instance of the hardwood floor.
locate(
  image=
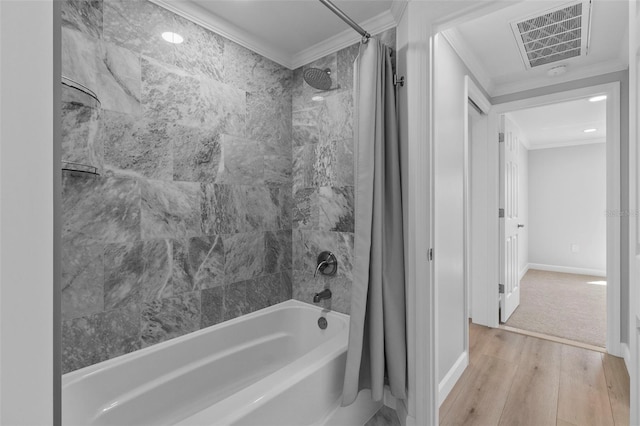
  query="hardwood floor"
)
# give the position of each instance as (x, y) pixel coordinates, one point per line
(513, 379)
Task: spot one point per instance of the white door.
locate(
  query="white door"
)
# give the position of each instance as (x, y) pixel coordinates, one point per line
(509, 224)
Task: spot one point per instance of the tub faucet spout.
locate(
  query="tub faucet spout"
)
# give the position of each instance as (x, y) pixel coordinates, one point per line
(324, 294)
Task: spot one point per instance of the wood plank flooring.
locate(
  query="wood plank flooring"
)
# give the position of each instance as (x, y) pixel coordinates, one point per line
(513, 379)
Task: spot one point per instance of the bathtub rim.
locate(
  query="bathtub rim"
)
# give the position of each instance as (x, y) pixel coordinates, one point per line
(72, 377)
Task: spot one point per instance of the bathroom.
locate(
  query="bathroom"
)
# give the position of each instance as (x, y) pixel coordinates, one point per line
(155, 199)
(200, 180)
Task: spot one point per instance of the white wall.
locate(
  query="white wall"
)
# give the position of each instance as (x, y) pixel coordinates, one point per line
(26, 212)
(449, 161)
(567, 196)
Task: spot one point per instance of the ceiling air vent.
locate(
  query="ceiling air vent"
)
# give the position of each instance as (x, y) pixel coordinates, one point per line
(556, 35)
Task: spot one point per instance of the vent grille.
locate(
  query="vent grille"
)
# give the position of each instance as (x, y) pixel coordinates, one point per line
(557, 35)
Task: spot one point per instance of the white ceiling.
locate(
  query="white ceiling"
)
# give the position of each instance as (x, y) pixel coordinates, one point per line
(488, 47)
(563, 124)
(290, 32)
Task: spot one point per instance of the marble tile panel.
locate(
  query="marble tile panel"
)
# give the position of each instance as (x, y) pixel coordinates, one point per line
(282, 198)
(305, 286)
(304, 159)
(343, 170)
(197, 153)
(171, 317)
(334, 165)
(235, 208)
(137, 148)
(83, 15)
(308, 244)
(254, 73)
(79, 58)
(81, 142)
(170, 209)
(267, 290)
(100, 209)
(201, 52)
(324, 166)
(346, 59)
(82, 279)
(123, 269)
(156, 281)
(242, 162)
(277, 255)
(336, 208)
(235, 301)
(171, 95)
(299, 98)
(198, 264)
(305, 124)
(224, 107)
(138, 25)
(95, 338)
(336, 119)
(244, 256)
(118, 84)
(212, 307)
(305, 209)
(111, 72)
(278, 169)
(269, 121)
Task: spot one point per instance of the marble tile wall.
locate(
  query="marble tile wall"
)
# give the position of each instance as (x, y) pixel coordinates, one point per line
(323, 177)
(190, 221)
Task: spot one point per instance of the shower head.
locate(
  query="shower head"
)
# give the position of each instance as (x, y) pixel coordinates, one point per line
(317, 78)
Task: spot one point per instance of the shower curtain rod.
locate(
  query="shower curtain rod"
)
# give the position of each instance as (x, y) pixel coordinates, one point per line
(332, 7)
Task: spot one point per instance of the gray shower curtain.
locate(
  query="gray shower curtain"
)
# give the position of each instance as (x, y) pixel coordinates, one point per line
(377, 351)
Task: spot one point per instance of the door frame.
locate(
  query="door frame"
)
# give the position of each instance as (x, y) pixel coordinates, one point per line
(612, 90)
(472, 92)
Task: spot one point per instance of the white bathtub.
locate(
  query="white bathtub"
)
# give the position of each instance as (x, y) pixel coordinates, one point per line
(272, 367)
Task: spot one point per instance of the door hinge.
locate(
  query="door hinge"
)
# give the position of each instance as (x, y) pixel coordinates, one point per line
(501, 288)
(500, 212)
(430, 254)
(500, 137)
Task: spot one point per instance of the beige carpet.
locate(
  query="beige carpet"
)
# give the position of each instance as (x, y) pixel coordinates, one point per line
(563, 305)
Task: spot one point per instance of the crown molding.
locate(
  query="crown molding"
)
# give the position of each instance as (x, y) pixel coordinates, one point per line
(212, 22)
(195, 13)
(455, 39)
(533, 147)
(379, 23)
(397, 9)
(582, 72)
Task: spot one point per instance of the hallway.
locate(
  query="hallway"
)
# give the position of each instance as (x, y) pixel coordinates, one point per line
(514, 379)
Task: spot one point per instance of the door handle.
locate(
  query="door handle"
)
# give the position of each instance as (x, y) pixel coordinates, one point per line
(521, 225)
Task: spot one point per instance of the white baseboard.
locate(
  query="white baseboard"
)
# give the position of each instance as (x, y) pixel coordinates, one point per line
(568, 269)
(525, 270)
(452, 376)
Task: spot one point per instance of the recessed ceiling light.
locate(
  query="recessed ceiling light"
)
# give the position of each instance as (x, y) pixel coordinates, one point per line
(172, 37)
(317, 98)
(589, 130)
(598, 98)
